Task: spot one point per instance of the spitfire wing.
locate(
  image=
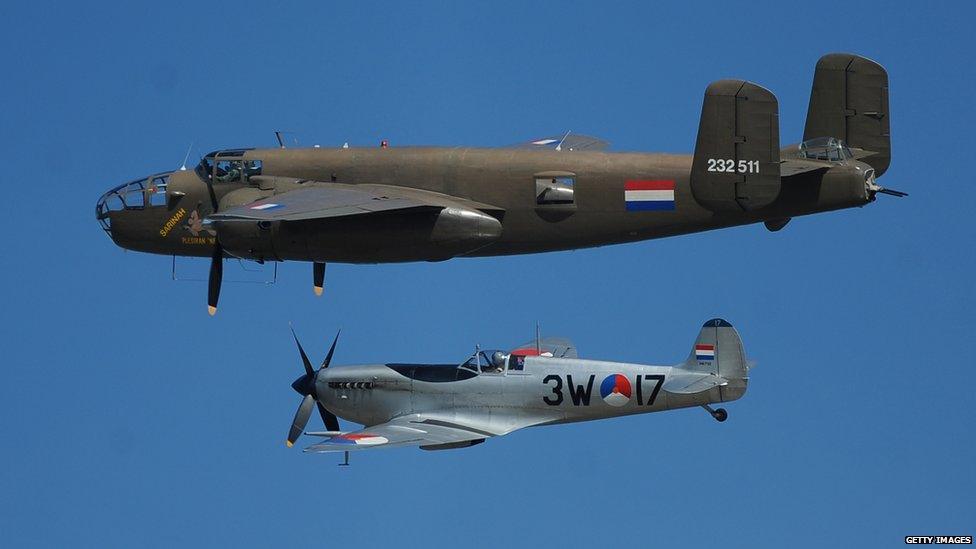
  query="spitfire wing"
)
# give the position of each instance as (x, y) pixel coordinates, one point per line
(559, 347)
(570, 142)
(326, 200)
(689, 384)
(425, 431)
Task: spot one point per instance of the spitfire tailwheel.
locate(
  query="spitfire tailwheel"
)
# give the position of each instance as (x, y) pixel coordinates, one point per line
(719, 414)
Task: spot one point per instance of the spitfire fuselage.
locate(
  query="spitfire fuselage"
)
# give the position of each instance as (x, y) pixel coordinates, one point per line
(546, 391)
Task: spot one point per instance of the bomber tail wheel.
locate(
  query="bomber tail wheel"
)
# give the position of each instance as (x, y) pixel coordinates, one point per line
(720, 415)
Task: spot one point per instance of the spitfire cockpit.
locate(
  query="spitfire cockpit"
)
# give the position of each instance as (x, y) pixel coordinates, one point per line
(488, 362)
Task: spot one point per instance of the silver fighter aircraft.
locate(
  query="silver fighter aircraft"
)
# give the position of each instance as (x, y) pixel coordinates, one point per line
(493, 393)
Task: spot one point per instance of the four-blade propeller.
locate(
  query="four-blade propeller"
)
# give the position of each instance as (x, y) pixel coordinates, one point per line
(305, 386)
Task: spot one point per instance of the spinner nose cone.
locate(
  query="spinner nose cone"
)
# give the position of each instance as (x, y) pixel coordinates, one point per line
(304, 385)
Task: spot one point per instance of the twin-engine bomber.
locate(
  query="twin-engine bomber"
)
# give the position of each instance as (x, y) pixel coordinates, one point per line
(493, 393)
(396, 204)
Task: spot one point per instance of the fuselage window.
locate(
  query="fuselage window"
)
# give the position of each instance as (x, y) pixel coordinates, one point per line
(554, 190)
(157, 190)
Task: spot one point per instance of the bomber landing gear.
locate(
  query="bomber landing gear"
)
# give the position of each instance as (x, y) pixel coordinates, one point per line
(719, 414)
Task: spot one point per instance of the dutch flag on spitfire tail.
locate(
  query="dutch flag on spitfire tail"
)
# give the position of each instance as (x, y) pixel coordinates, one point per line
(642, 195)
(704, 352)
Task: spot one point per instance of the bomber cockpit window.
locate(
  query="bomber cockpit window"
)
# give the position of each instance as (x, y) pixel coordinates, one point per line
(232, 171)
(228, 171)
(227, 166)
(252, 168)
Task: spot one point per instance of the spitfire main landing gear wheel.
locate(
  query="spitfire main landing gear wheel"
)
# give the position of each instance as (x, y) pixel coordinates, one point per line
(719, 414)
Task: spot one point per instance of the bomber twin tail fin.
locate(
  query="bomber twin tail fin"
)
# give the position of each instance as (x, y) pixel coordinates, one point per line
(849, 101)
(736, 162)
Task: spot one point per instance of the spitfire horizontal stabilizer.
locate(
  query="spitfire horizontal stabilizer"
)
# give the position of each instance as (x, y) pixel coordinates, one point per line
(689, 384)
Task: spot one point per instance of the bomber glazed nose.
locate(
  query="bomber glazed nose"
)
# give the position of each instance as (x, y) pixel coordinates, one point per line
(128, 202)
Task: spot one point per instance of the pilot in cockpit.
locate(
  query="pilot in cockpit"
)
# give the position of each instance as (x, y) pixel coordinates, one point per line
(498, 359)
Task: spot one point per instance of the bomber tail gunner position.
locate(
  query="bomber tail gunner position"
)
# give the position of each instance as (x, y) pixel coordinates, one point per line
(493, 393)
(378, 205)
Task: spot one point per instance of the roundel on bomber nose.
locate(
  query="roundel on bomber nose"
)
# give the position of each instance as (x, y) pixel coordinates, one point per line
(615, 390)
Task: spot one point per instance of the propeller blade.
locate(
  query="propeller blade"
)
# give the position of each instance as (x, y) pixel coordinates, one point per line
(301, 420)
(328, 418)
(318, 277)
(305, 361)
(216, 275)
(328, 357)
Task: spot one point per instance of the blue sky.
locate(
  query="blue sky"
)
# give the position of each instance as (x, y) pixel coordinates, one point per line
(131, 418)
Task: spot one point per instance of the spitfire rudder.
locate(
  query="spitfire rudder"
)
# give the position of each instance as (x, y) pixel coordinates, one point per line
(736, 162)
(718, 350)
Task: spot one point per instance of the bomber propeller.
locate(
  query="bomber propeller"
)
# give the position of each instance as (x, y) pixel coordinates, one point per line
(305, 386)
(216, 275)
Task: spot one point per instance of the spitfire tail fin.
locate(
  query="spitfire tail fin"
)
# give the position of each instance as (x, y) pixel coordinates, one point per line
(849, 101)
(736, 162)
(718, 350)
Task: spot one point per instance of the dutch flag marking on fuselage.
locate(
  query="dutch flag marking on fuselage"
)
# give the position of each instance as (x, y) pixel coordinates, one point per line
(647, 195)
(704, 352)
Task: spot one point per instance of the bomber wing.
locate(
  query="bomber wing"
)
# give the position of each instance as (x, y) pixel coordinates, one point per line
(326, 200)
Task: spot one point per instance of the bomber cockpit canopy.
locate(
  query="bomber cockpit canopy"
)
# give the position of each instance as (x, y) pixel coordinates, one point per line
(227, 166)
(825, 148)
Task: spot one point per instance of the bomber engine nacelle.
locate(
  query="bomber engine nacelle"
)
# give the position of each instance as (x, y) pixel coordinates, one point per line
(429, 233)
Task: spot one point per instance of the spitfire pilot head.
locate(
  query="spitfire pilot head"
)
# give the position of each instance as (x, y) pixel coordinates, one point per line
(396, 204)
